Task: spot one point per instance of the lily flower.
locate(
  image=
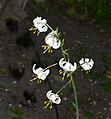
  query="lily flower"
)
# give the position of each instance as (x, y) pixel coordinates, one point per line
(86, 64)
(53, 98)
(39, 24)
(51, 40)
(67, 67)
(39, 74)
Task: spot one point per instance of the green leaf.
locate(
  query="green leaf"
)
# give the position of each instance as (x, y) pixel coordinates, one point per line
(74, 105)
(15, 112)
(5, 85)
(57, 30)
(107, 85)
(70, 12)
(62, 43)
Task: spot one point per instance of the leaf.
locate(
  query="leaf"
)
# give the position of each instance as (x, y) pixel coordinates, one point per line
(57, 30)
(5, 85)
(74, 105)
(15, 112)
(62, 43)
(107, 85)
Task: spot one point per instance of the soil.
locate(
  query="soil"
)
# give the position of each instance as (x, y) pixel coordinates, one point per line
(20, 49)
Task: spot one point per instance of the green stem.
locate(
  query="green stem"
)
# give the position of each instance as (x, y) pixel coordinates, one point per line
(63, 86)
(75, 96)
(50, 66)
(63, 53)
(50, 27)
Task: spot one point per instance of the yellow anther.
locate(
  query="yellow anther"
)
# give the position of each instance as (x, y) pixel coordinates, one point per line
(45, 102)
(50, 106)
(34, 77)
(60, 71)
(34, 32)
(44, 46)
(31, 29)
(68, 75)
(49, 51)
(39, 81)
(47, 105)
(38, 33)
(63, 75)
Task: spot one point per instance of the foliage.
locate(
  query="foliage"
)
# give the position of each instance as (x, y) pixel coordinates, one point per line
(93, 10)
(15, 112)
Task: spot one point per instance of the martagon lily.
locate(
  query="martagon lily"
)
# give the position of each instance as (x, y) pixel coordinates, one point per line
(53, 98)
(67, 67)
(39, 74)
(51, 40)
(86, 63)
(39, 24)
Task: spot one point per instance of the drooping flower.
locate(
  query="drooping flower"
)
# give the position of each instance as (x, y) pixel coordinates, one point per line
(53, 98)
(51, 40)
(39, 74)
(86, 63)
(67, 67)
(39, 24)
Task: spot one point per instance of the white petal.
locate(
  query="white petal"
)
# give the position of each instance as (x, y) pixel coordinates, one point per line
(55, 99)
(42, 28)
(49, 41)
(81, 61)
(47, 72)
(49, 93)
(36, 71)
(56, 43)
(86, 60)
(62, 63)
(69, 67)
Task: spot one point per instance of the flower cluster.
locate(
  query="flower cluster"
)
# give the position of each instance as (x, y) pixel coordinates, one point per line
(53, 41)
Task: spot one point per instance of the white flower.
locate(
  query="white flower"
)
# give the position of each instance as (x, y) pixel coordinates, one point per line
(53, 98)
(40, 24)
(86, 64)
(67, 66)
(40, 74)
(52, 41)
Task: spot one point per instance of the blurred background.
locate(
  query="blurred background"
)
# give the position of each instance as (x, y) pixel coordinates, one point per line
(86, 27)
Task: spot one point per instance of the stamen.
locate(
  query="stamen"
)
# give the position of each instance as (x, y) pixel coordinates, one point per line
(51, 106)
(34, 32)
(34, 77)
(60, 71)
(38, 33)
(68, 74)
(47, 105)
(45, 102)
(63, 75)
(31, 29)
(39, 81)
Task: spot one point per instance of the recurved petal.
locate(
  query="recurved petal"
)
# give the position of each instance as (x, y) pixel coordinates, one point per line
(56, 43)
(47, 72)
(48, 94)
(55, 98)
(81, 61)
(62, 62)
(36, 71)
(86, 60)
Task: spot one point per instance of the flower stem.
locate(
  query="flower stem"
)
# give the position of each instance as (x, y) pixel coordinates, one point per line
(63, 53)
(50, 27)
(63, 86)
(75, 96)
(50, 66)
